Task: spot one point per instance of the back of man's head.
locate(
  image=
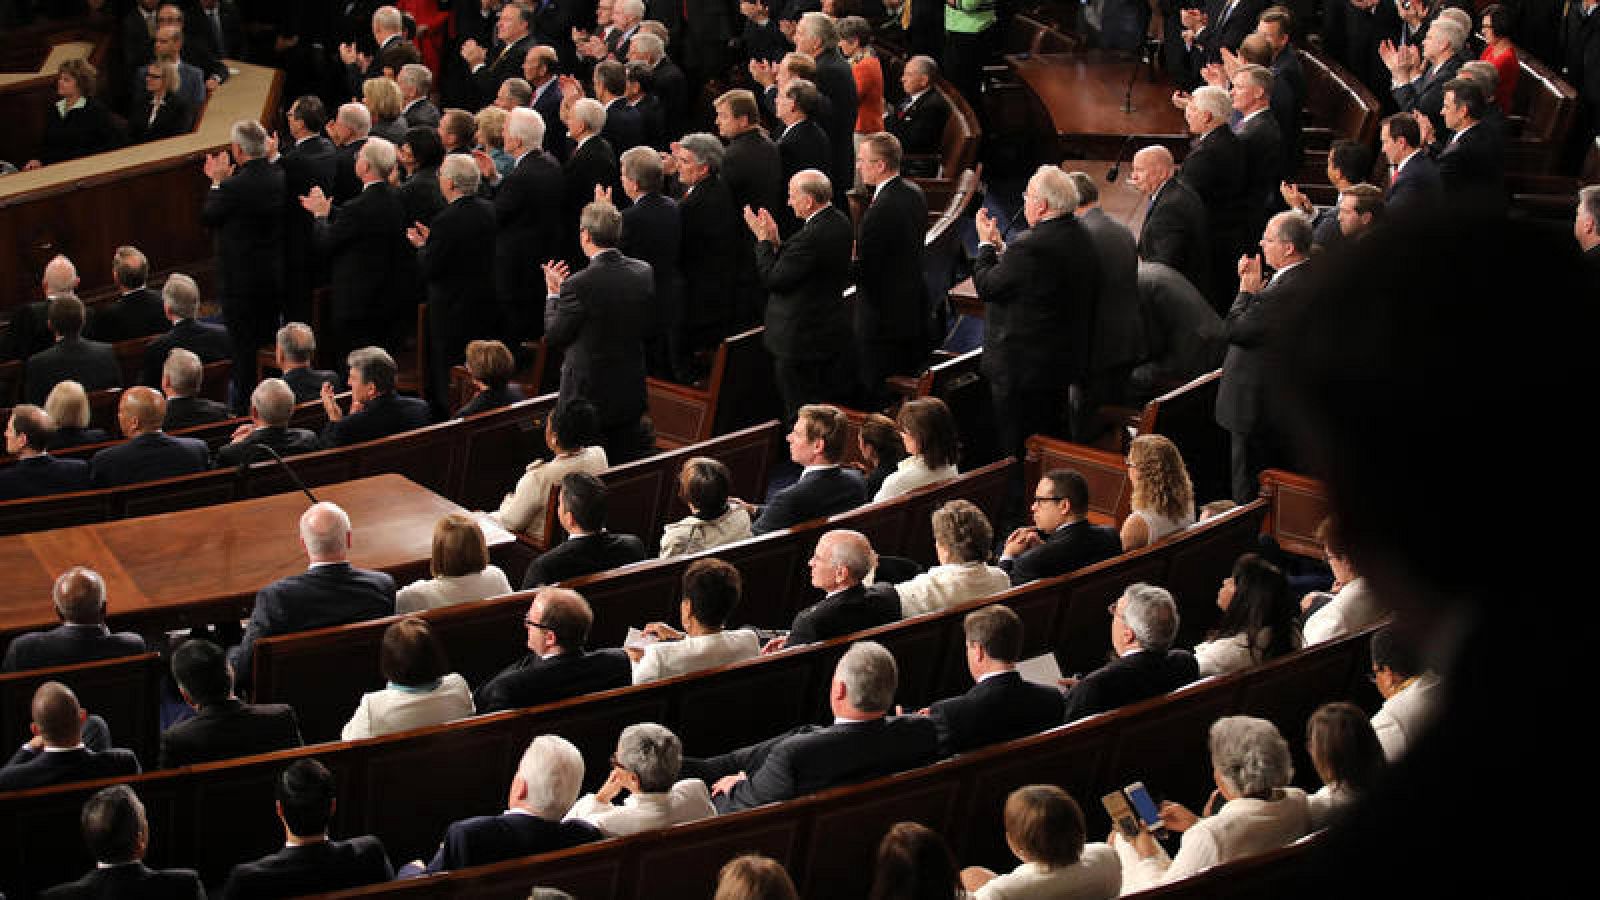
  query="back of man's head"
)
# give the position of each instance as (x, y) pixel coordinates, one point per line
(997, 630)
(552, 771)
(80, 596)
(306, 792)
(201, 670)
(60, 276)
(567, 616)
(65, 315)
(57, 715)
(1151, 615)
(273, 402)
(141, 410)
(114, 826)
(181, 374)
(180, 297)
(129, 268)
(602, 223)
(33, 425)
(584, 497)
(325, 532)
(869, 675)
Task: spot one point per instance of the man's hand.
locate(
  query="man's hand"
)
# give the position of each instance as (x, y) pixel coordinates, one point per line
(602, 194)
(317, 203)
(1022, 540)
(764, 72)
(1425, 126)
(1180, 99)
(348, 54)
(774, 645)
(1295, 199)
(31, 165)
(634, 653)
(787, 26)
(669, 163)
(555, 272)
(1250, 279)
(726, 783)
(1231, 63)
(1216, 75)
(1067, 683)
(761, 224)
(988, 230)
(486, 167)
(218, 166)
(1193, 19)
(661, 631)
(330, 405)
(417, 234)
(242, 432)
(473, 53)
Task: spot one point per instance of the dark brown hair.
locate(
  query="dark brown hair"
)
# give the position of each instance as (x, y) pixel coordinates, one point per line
(1044, 822)
(411, 655)
(458, 546)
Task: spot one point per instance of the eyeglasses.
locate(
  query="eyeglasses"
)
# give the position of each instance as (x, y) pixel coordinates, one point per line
(529, 621)
(1037, 500)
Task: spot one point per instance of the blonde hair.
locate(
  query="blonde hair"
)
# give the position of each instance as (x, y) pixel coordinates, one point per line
(382, 98)
(491, 121)
(1163, 485)
(68, 405)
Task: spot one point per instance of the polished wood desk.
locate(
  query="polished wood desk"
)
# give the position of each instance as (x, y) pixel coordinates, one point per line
(205, 565)
(1082, 95)
(1120, 200)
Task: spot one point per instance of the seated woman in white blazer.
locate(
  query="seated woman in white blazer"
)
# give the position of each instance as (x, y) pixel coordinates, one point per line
(646, 763)
(460, 568)
(711, 590)
(962, 538)
(928, 432)
(422, 690)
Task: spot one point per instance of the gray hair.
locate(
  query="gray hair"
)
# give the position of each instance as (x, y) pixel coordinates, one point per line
(462, 172)
(1260, 76)
(60, 276)
(1293, 228)
(375, 365)
(651, 752)
(325, 529)
(1151, 615)
(273, 401)
(357, 118)
(1052, 186)
(297, 342)
(821, 27)
(642, 165)
(589, 111)
(1452, 32)
(814, 183)
(703, 147)
(79, 595)
(1250, 755)
(927, 65)
(852, 550)
(1459, 16)
(380, 156)
(1483, 72)
(388, 18)
(869, 675)
(633, 9)
(182, 372)
(1213, 101)
(1589, 201)
(250, 138)
(602, 222)
(180, 296)
(527, 126)
(520, 90)
(650, 45)
(417, 76)
(553, 771)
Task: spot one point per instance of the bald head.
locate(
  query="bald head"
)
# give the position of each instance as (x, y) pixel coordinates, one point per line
(1152, 168)
(60, 276)
(141, 410)
(80, 596)
(56, 715)
(325, 532)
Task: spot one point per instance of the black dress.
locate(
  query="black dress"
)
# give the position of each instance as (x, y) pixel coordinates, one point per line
(82, 131)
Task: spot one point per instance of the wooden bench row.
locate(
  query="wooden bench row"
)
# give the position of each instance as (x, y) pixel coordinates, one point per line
(215, 815)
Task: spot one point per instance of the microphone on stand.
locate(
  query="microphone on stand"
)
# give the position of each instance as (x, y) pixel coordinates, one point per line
(285, 466)
(1116, 166)
(1144, 60)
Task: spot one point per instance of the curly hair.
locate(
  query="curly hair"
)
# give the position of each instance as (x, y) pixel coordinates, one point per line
(962, 528)
(1163, 485)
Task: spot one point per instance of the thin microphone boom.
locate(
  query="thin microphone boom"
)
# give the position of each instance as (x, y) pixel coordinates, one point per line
(1116, 165)
(285, 466)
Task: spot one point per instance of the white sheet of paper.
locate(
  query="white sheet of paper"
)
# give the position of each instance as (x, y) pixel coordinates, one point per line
(638, 640)
(1040, 670)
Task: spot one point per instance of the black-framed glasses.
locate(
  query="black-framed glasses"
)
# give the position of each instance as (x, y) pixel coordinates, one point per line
(1048, 499)
(529, 620)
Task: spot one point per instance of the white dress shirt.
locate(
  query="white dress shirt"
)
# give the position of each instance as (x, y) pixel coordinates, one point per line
(399, 708)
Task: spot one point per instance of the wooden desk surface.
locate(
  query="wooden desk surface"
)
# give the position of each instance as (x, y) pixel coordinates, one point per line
(1120, 200)
(191, 566)
(1082, 92)
(59, 54)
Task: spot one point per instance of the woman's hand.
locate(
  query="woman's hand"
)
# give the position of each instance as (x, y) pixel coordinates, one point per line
(1177, 817)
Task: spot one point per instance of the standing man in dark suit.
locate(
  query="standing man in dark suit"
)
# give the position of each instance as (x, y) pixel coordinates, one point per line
(541, 70)
(348, 131)
(310, 162)
(456, 256)
(294, 350)
(1144, 622)
(1414, 184)
(1419, 80)
(802, 144)
(1001, 705)
(514, 31)
(90, 363)
(1276, 27)
(1117, 341)
(669, 84)
(1038, 298)
(271, 405)
(309, 863)
(147, 454)
(589, 547)
(715, 243)
(546, 785)
(527, 208)
(598, 317)
(818, 36)
(1215, 171)
(591, 163)
(893, 325)
(1262, 142)
(180, 300)
(181, 379)
(245, 210)
(218, 30)
(375, 409)
(816, 444)
(79, 598)
(116, 832)
(624, 128)
(223, 727)
(752, 169)
(808, 324)
(556, 666)
(1174, 230)
(415, 83)
(1062, 539)
(330, 592)
(364, 240)
(652, 232)
(1241, 397)
(394, 51)
(919, 120)
(1220, 25)
(863, 742)
(1472, 161)
(36, 473)
(838, 564)
(137, 310)
(58, 753)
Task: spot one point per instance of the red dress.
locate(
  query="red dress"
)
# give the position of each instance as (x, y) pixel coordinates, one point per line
(1505, 63)
(431, 26)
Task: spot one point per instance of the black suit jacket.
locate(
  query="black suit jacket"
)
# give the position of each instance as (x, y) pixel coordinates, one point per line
(246, 214)
(307, 382)
(331, 594)
(752, 168)
(713, 252)
(1038, 302)
(66, 645)
(387, 414)
(229, 729)
(533, 680)
(287, 441)
(527, 210)
(148, 457)
(1117, 335)
(805, 277)
(172, 119)
(183, 412)
(1288, 99)
(920, 128)
(592, 164)
(836, 81)
(134, 881)
(500, 65)
(998, 708)
(853, 609)
(1241, 395)
(90, 363)
(1415, 187)
(810, 758)
(1426, 94)
(423, 113)
(1222, 31)
(1183, 334)
(804, 145)
(324, 866)
(457, 262)
(421, 197)
(891, 294)
(345, 183)
(364, 239)
(1473, 165)
(624, 128)
(548, 106)
(652, 232)
(1070, 547)
(1175, 233)
(481, 840)
(583, 555)
(41, 475)
(28, 332)
(30, 769)
(1138, 676)
(1262, 142)
(1215, 171)
(817, 494)
(672, 87)
(599, 321)
(134, 314)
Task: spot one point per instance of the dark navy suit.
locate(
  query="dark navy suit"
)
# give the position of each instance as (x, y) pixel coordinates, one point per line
(42, 475)
(481, 840)
(326, 594)
(998, 708)
(817, 494)
(67, 645)
(534, 680)
(133, 881)
(148, 457)
(387, 414)
(1072, 546)
(853, 609)
(1138, 676)
(311, 869)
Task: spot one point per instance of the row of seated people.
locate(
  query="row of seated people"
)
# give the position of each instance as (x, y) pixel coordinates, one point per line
(1254, 808)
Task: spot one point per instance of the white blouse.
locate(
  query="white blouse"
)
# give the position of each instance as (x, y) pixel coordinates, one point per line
(912, 473)
(398, 708)
(448, 590)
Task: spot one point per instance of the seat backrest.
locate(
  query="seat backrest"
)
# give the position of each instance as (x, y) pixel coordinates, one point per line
(1337, 100)
(1187, 415)
(214, 380)
(1298, 505)
(1110, 492)
(1546, 102)
(747, 394)
(124, 692)
(130, 357)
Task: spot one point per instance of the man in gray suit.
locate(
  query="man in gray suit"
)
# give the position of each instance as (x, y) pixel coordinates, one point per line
(1116, 339)
(1182, 333)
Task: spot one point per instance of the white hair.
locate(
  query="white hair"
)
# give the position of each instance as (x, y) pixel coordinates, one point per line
(356, 117)
(180, 296)
(553, 771)
(1214, 101)
(462, 172)
(1250, 755)
(182, 371)
(273, 401)
(250, 138)
(325, 529)
(527, 126)
(869, 675)
(388, 18)
(631, 9)
(590, 113)
(380, 156)
(1054, 187)
(1151, 615)
(416, 75)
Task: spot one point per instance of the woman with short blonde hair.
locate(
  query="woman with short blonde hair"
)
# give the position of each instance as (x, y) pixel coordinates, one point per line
(962, 537)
